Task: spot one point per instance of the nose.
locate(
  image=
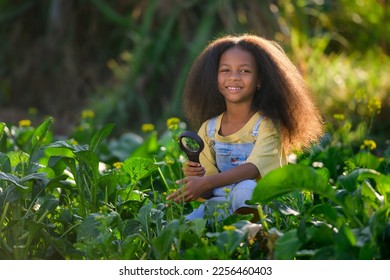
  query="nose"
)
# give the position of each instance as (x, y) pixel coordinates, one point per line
(235, 75)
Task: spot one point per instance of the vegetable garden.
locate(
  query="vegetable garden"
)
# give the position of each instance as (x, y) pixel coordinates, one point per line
(99, 198)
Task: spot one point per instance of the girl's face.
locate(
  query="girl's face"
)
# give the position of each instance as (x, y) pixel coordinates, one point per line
(237, 75)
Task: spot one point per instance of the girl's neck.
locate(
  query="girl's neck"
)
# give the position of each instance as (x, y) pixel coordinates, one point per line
(234, 120)
(238, 114)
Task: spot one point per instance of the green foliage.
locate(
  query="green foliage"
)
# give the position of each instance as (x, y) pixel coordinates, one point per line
(68, 200)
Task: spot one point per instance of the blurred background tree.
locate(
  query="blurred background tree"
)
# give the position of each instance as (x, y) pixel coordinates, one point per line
(127, 60)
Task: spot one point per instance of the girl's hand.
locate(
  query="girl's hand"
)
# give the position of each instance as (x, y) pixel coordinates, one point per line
(194, 187)
(191, 168)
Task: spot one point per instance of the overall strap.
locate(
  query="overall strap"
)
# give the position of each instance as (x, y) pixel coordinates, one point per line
(255, 130)
(211, 128)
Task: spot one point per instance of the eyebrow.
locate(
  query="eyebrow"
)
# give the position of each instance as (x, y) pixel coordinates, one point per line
(246, 64)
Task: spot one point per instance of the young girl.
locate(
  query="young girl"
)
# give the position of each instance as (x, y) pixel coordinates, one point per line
(253, 108)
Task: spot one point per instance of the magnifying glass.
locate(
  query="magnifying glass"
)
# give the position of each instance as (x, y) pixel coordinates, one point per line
(191, 144)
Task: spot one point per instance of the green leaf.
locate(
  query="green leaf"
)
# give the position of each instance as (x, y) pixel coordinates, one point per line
(327, 213)
(10, 194)
(34, 176)
(5, 163)
(40, 133)
(148, 147)
(138, 168)
(144, 216)
(383, 185)
(163, 243)
(345, 238)
(12, 179)
(100, 135)
(90, 160)
(291, 178)
(229, 240)
(287, 245)
(63, 144)
(367, 160)
(48, 203)
(17, 157)
(198, 226)
(2, 125)
(125, 145)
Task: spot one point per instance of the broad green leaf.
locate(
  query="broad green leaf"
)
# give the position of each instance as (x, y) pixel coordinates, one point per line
(57, 181)
(2, 125)
(198, 226)
(138, 168)
(90, 227)
(17, 157)
(52, 151)
(383, 186)
(123, 147)
(100, 135)
(12, 179)
(163, 242)
(10, 194)
(291, 178)
(40, 133)
(95, 225)
(5, 163)
(33, 176)
(367, 160)
(91, 160)
(144, 216)
(287, 246)
(229, 240)
(129, 194)
(148, 147)
(48, 203)
(345, 238)
(327, 213)
(382, 180)
(370, 194)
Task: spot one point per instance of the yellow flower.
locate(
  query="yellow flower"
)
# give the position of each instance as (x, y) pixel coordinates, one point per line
(374, 105)
(118, 165)
(24, 123)
(227, 190)
(111, 64)
(173, 123)
(147, 127)
(369, 144)
(339, 117)
(87, 114)
(169, 160)
(125, 56)
(231, 227)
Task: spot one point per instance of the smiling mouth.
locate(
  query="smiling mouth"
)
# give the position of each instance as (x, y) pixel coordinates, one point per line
(233, 88)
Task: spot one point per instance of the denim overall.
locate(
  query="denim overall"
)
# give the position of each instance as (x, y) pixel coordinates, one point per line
(228, 155)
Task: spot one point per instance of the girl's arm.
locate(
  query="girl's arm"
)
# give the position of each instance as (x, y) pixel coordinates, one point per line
(195, 186)
(191, 168)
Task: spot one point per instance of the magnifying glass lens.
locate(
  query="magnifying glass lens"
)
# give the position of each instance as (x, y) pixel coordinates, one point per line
(191, 144)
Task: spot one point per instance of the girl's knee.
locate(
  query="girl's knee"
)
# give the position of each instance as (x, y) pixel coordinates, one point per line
(241, 193)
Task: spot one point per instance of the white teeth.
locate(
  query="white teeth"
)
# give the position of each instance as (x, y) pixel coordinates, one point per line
(233, 88)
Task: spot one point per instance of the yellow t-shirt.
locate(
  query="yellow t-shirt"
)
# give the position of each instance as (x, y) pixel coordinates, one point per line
(267, 154)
